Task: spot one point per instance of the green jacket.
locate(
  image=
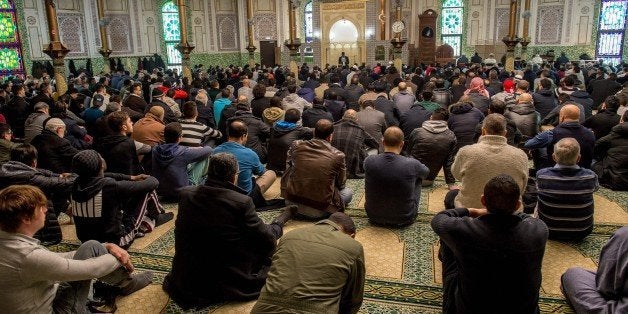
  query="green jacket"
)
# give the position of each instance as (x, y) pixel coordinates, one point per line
(5, 150)
(317, 269)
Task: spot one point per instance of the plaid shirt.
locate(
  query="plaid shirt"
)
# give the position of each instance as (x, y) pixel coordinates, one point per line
(351, 139)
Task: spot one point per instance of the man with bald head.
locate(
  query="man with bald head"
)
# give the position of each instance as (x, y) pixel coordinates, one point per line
(393, 183)
(404, 99)
(351, 139)
(569, 126)
(524, 115)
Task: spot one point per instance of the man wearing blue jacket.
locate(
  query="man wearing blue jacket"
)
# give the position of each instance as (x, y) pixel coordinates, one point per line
(177, 166)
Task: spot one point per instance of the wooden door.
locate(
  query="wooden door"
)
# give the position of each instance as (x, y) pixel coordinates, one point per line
(267, 52)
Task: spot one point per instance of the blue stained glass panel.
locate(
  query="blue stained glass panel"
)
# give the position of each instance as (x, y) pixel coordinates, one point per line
(613, 15)
(452, 3)
(452, 21)
(610, 44)
(171, 27)
(612, 29)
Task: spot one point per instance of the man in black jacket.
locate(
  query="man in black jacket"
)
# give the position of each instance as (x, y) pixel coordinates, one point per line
(257, 130)
(17, 110)
(491, 264)
(100, 203)
(22, 169)
(544, 99)
(55, 152)
(158, 97)
(602, 123)
(118, 149)
(222, 248)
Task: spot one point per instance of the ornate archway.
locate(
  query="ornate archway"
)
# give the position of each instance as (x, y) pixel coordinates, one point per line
(343, 16)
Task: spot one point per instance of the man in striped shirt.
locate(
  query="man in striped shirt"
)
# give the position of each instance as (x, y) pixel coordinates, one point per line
(565, 193)
(194, 132)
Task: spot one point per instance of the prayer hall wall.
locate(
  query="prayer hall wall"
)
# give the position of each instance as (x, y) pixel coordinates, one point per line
(218, 28)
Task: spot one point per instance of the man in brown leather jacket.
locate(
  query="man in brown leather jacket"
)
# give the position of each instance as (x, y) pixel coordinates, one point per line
(316, 174)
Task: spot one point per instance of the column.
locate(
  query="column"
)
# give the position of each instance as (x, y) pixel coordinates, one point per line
(55, 49)
(249, 23)
(184, 46)
(525, 40)
(102, 25)
(382, 19)
(293, 44)
(511, 40)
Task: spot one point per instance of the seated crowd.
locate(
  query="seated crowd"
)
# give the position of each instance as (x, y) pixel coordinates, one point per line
(113, 148)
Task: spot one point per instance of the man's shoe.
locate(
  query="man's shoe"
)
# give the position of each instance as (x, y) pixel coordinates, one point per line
(136, 282)
(163, 218)
(286, 215)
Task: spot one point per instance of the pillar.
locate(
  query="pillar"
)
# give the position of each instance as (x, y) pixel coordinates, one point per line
(382, 20)
(55, 49)
(249, 22)
(511, 40)
(525, 40)
(102, 25)
(293, 44)
(184, 46)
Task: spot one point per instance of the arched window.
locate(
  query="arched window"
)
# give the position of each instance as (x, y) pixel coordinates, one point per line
(10, 45)
(451, 21)
(172, 34)
(309, 26)
(612, 28)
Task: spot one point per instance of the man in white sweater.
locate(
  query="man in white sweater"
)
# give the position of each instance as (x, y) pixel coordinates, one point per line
(491, 156)
(36, 280)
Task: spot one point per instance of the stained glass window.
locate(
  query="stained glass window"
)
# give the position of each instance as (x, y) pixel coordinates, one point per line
(612, 28)
(10, 46)
(172, 34)
(452, 15)
(309, 27)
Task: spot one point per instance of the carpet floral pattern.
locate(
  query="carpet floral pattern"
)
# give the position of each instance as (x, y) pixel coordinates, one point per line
(403, 271)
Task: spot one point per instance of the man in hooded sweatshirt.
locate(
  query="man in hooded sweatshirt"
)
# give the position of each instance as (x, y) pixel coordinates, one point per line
(433, 144)
(177, 166)
(281, 137)
(99, 201)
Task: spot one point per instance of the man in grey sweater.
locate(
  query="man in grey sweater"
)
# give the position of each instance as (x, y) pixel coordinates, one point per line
(36, 280)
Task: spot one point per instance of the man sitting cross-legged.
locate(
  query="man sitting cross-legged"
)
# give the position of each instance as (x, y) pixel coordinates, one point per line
(177, 166)
(248, 162)
(393, 183)
(434, 144)
(222, 248)
(317, 269)
(491, 264)
(476, 164)
(316, 174)
(36, 280)
(565, 193)
(605, 291)
(110, 207)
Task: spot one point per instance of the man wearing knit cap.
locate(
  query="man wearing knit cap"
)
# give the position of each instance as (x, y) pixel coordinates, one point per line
(99, 201)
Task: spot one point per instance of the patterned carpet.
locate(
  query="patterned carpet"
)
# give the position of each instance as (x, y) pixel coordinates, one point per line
(403, 271)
